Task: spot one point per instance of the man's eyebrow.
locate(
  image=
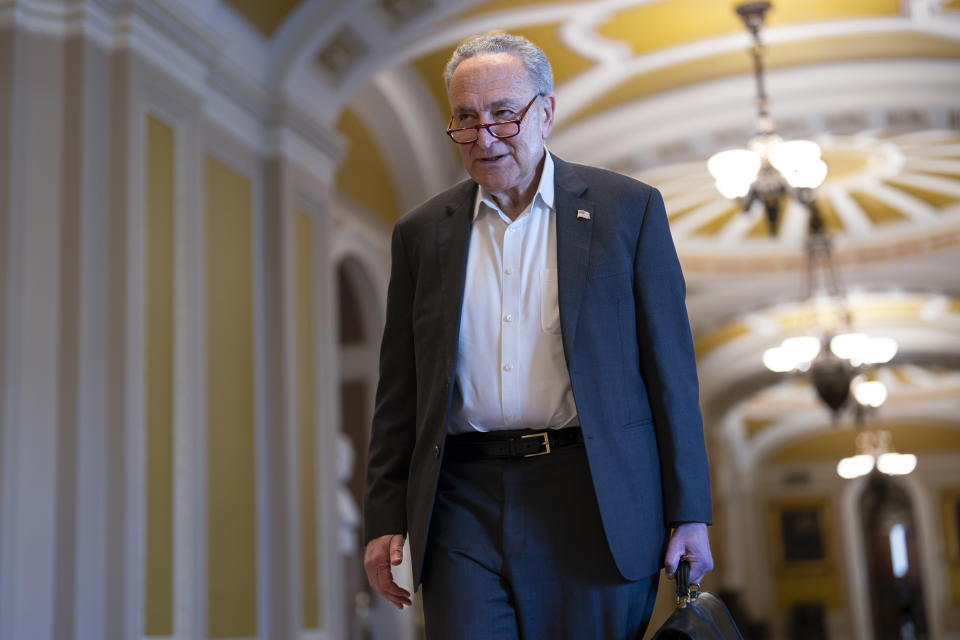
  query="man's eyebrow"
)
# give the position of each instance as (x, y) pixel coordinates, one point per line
(503, 102)
(493, 106)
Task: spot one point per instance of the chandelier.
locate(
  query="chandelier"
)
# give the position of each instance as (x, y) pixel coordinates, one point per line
(840, 360)
(770, 169)
(768, 173)
(875, 450)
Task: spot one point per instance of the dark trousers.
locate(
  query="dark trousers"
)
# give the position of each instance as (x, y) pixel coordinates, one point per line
(517, 550)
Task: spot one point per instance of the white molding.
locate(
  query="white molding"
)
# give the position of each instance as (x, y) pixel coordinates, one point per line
(31, 420)
(244, 49)
(266, 552)
(195, 624)
(400, 100)
(328, 412)
(298, 38)
(283, 140)
(58, 20)
(189, 353)
(800, 93)
(237, 121)
(54, 19)
(142, 37)
(93, 394)
(315, 133)
(328, 576)
(210, 59)
(134, 467)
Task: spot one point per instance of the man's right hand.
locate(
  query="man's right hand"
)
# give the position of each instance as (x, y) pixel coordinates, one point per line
(381, 553)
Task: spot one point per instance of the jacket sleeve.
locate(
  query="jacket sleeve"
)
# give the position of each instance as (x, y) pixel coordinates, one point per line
(393, 431)
(669, 366)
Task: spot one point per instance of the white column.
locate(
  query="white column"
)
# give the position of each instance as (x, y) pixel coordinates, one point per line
(92, 389)
(32, 355)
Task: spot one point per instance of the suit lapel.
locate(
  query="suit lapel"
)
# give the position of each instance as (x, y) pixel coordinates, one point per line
(453, 233)
(573, 247)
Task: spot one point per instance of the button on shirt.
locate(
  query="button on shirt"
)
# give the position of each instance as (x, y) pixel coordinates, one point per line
(511, 372)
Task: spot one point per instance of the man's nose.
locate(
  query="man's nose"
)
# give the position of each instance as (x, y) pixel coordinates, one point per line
(485, 138)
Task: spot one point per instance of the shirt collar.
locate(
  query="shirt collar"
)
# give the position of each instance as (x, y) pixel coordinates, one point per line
(545, 190)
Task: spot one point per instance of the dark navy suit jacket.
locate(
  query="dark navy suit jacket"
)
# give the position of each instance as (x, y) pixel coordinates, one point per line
(628, 348)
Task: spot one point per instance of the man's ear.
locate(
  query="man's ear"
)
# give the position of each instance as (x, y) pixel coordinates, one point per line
(549, 106)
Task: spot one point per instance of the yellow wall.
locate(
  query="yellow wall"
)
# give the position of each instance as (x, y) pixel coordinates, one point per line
(783, 55)
(266, 16)
(310, 592)
(158, 572)
(364, 175)
(231, 469)
(948, 505)
(659, 25)
(914, 435)
(805, 581)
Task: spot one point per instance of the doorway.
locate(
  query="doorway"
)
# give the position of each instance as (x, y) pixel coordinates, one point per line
(893, 561)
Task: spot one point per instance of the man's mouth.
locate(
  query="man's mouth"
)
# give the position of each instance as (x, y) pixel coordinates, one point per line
(493, 158)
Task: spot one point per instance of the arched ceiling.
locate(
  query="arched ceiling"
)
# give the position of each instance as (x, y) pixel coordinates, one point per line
(651, 88)
(641, 84)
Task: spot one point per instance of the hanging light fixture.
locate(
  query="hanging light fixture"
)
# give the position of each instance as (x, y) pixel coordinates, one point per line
(875, 450)
(770, 169)
(838, 358)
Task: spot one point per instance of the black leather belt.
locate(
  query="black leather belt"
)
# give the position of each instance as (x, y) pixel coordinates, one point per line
(523, 443)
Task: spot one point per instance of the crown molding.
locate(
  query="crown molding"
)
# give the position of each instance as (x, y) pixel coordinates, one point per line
(181, 43)
(294, 134)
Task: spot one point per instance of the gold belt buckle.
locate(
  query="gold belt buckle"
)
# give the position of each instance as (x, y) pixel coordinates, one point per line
(546, 443)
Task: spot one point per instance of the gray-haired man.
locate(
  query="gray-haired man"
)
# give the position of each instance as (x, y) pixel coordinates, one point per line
(537, 431)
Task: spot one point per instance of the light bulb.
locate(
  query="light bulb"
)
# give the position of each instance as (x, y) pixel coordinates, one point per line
(809, 176)
(779, 360)
(855, 466)
(734, 171)
(802, 348)
(869, 393)
(897, 464)
(799, 162)
(849, 346)
(879, 350)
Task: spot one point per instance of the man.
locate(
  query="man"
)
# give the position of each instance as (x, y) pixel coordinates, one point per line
(537, 431)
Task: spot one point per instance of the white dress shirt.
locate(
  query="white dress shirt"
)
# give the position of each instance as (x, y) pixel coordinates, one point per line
(511, 372)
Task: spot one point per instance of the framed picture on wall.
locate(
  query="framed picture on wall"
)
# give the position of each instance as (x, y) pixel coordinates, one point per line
(800, 534)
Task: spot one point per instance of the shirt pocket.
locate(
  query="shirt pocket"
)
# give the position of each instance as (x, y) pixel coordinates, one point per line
(549, 305)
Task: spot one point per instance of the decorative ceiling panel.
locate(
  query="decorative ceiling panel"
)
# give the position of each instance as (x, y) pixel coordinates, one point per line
(653, 78)
(879, 200)
(659, 25)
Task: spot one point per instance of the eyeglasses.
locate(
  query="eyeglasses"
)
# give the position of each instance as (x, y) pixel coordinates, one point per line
(505, 129)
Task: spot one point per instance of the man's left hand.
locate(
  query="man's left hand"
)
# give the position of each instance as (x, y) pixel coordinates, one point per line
(690, 542)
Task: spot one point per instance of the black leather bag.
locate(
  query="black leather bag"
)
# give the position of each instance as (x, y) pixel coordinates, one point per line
(700, 615)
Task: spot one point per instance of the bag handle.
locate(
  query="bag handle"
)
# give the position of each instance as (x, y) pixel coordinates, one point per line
(686, 592)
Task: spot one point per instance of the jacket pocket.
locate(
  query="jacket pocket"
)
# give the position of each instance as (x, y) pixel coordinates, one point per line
(549, 304)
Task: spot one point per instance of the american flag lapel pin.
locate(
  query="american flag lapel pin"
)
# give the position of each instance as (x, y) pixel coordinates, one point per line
(583, 214)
